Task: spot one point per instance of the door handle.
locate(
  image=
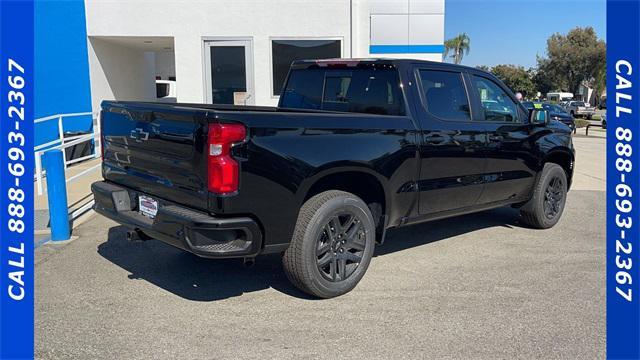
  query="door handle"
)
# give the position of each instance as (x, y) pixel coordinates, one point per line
(496, 138)
(434, 139)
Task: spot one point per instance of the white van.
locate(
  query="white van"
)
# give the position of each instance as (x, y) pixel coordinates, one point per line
(558, 97)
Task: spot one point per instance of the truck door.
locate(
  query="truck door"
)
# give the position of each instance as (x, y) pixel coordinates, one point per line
(451, 151)
(510, 154)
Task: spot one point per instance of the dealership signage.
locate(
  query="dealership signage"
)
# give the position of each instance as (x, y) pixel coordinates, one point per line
(16, 179)
(623, 190)
(17, 164)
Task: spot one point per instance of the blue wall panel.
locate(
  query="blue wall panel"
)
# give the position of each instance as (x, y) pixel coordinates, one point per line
(61, 67)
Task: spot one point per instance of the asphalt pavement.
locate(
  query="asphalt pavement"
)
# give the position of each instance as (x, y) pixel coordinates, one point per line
(478, 286)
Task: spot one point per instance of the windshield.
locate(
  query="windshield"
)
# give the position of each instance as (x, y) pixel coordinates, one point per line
(553, 108)
(578, 103)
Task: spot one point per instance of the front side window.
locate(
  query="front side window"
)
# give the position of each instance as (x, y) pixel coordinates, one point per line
(368, 90)
(284, 52)
(496, 104)
(445, 95)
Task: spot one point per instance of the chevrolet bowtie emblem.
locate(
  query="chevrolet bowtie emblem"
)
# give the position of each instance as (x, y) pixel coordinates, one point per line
(140, 135)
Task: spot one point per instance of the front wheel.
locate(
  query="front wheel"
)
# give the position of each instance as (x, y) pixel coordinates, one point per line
(549, 197)
(332, 244)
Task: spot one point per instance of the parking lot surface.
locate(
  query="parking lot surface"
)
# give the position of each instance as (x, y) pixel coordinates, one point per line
(476, 286)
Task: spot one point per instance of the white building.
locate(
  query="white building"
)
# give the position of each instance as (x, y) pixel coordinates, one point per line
(226, 51)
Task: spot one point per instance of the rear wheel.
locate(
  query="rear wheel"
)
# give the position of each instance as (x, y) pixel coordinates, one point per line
(332, 244)
(549, 197)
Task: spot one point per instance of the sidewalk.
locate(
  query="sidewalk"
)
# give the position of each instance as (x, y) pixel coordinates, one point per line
(78, 193)
(594, 131)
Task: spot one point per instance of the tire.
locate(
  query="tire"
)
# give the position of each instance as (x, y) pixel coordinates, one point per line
(549, 198)
(588, 117)
(342, 223)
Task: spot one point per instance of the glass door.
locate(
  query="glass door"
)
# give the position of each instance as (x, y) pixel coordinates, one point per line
(229, 72)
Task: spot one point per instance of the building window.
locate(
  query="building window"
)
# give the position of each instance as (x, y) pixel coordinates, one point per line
(284, 52)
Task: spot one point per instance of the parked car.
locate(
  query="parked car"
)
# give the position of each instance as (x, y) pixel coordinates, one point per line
(556, 112)
(354, 148)
(603, 102)
(580, 109)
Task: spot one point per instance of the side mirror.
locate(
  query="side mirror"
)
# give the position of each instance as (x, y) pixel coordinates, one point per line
(539, 117)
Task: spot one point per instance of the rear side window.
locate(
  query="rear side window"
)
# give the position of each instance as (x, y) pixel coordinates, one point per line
(304, 90)
(445, 95)
(360, 90)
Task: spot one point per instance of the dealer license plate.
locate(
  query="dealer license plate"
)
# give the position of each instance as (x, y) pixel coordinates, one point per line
(147, 206)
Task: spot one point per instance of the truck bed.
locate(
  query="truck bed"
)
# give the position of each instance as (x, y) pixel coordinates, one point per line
(160, 150)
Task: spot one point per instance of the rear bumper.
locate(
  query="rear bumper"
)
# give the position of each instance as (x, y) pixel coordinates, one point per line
(185, 228)
(584, 112)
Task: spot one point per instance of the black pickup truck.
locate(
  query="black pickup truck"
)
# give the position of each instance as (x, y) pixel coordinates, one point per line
(354, 148)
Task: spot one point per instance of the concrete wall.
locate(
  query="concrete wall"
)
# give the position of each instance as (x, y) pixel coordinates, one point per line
(165, 64)
(120, 72)
(407, 29)
(189, 23)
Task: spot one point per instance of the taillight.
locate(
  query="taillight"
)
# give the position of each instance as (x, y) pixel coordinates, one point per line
(222, 168)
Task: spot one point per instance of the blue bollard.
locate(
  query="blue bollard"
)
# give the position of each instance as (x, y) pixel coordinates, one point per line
(57, 195)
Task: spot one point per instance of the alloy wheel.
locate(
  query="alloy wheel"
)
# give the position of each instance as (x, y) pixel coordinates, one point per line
(553, 197)
(340, 246)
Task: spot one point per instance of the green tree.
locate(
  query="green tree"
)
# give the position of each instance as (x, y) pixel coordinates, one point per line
(574, 58)
(517, 78)
(599, 81)
(544, 80)
(458, 46)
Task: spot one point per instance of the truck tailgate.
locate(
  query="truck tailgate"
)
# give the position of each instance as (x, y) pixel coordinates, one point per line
(158, 150)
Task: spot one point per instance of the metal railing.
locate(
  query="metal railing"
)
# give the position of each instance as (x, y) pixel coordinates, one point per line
(62, 143)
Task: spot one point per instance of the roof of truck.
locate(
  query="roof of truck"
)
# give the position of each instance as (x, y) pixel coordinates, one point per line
(380, 61)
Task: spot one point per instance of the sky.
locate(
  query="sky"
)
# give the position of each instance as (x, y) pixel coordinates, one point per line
(515, 31)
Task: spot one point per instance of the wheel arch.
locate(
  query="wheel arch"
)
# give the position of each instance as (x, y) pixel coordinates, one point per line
(563, 157)
(360, 181)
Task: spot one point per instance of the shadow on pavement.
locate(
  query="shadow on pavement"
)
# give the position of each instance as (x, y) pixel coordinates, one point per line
(199, 279)
(421, 234)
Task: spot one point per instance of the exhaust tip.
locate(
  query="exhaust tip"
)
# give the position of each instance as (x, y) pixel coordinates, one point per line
(136, 235)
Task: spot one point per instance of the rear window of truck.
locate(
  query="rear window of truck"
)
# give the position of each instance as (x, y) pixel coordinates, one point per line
(359, 90)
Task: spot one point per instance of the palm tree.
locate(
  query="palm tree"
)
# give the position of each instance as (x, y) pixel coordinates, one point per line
(459, 46)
